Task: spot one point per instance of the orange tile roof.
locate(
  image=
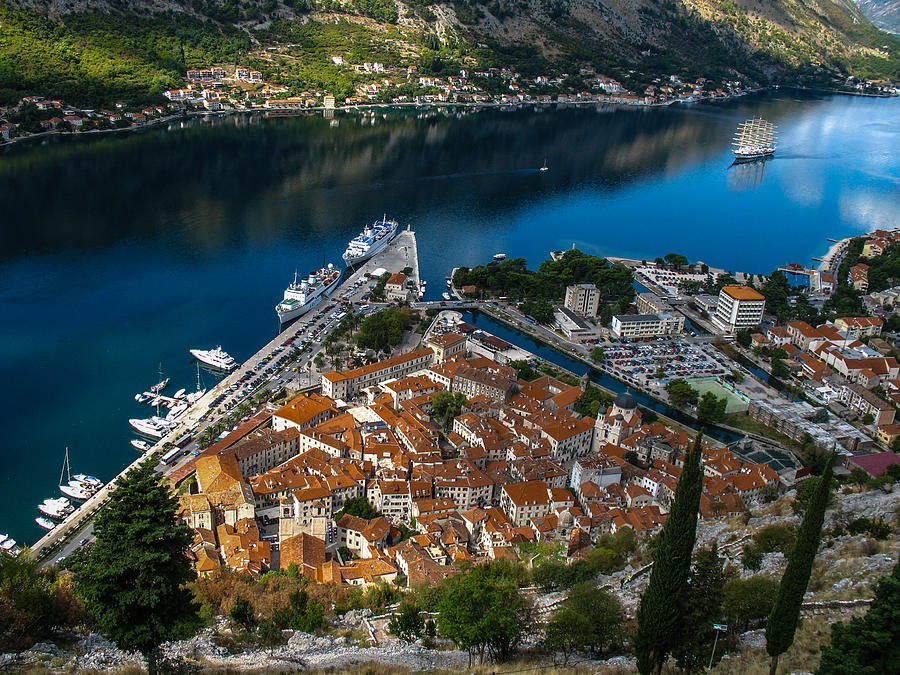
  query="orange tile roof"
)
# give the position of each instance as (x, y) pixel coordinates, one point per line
(743, 293)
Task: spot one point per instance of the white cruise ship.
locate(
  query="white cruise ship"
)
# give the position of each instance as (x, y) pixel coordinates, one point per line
(216, 358)
(301, 296)
(370, 241)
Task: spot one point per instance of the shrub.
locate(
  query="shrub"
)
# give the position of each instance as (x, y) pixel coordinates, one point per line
(874, 527)
(752, 557)
(748, 601)
(775, 537)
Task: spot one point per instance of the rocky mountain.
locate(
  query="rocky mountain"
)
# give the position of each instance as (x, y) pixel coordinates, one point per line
(149, 43)
(883, 13)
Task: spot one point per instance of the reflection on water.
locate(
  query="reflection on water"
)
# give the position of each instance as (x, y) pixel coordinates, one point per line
(744, 176)
(118, 252)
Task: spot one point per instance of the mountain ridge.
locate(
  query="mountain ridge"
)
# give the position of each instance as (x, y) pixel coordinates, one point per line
(806, 42)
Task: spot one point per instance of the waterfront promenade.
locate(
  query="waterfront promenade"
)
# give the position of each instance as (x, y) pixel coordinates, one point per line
(402, 252)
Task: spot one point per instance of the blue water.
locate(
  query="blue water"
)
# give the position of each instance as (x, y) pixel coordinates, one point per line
(117, 254)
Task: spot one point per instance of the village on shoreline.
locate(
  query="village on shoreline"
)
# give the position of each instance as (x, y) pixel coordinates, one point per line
(214, 90)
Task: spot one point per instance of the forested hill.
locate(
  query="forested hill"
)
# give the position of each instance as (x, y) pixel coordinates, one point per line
(91, 50)
(883, 13)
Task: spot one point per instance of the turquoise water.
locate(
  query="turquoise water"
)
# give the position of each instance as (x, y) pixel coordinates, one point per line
(117, 254)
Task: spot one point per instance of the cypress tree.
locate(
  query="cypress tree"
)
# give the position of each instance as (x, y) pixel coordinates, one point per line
(870, 644)
(782, 622)
(659, 614)
(133, 582)
(701, 610)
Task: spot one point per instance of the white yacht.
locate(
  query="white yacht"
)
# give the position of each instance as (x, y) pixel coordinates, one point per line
(75, 492)
(179, 394)
(301, 296)
(90, 480)
(7, 543)
(46, 523)
(140, 445)
(141, 398)
(215, 358)
(370, 241)
(56, 508)
(154, 427)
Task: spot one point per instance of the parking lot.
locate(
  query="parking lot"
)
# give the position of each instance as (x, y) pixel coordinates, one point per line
(639, 362)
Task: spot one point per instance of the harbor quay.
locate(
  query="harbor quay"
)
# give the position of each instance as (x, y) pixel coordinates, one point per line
(399, 254)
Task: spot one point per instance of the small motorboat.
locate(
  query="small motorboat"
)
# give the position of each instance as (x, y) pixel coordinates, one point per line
(138, 444)
(46, 523)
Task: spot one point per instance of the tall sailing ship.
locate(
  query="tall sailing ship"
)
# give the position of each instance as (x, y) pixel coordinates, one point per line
(754, 139)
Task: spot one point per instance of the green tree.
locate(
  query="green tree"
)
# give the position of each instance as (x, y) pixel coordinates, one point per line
(566, 631)
(597, 354)
(659, 613)
(242, 612)
(301, 614)
(869, 644)
(446, 406)
(483, 612)
(681, 394)
(711, 408)
(676, 260)
(359, 507)
(748, 601)
(30, 601)
(783, 620)
(133, 583)
(406, 623)
(541, 311)
(702, 609)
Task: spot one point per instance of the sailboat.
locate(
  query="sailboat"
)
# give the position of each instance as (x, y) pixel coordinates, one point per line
(162, 384)
(544, 166)
(754, 139)
(72, 488)
(193, 397)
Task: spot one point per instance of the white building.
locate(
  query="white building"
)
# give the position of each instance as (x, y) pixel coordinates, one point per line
(647, 325)
(583, 299)
(739, 307)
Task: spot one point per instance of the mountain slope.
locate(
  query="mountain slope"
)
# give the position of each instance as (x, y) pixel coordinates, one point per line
(883, 13)
(90, 50)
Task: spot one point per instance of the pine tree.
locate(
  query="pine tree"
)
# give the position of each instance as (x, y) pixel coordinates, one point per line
(659, 614)
(133, 583)
(870, 644)
(702, 608)
(782, 622)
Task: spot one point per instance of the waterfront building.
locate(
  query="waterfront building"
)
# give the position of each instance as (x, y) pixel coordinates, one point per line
(575, 328)
(446, 346)
(650, 303)
(794, 419)
(647, 325)
(395, 288)
(339, 385)
(583, 299)
(738, 307)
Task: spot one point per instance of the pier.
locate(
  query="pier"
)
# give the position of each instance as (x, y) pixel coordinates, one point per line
(402, 252)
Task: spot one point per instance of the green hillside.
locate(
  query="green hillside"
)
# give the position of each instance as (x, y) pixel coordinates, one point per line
(105, 51)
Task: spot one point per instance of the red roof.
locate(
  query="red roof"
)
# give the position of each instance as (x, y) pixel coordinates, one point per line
(876, 464)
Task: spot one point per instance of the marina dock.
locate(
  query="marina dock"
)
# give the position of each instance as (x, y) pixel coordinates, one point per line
(402, 252)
